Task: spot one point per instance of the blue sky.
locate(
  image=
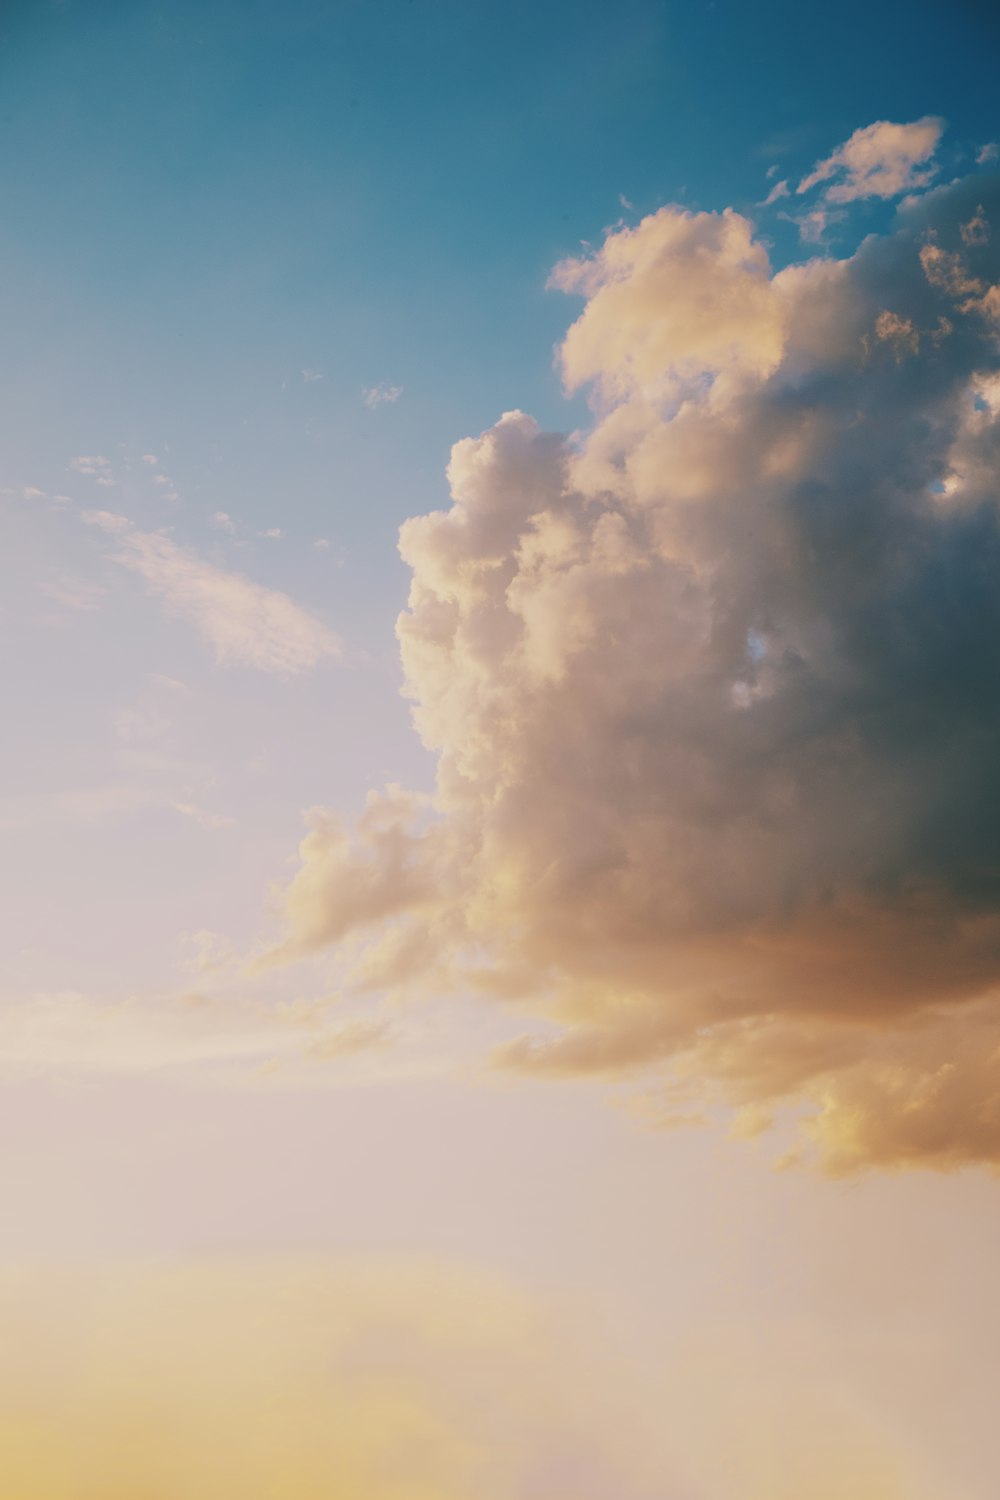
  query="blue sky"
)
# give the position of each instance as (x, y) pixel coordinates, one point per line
(203, 201)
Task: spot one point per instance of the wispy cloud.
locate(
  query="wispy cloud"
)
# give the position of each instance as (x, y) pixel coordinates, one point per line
(780, 190)
(95, 466)
(69, 1031)
(72, 593)
(244, 622)
(879, 161)
(106, 520)
(381, 395)
(202, 816)
(813, 225)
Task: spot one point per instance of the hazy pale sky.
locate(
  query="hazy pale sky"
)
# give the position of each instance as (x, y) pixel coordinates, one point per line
(500, 808)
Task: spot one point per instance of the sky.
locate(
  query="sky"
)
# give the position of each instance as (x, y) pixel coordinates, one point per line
(501, 922)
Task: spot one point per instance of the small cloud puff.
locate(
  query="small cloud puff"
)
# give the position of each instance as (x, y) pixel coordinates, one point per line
(96, 467)
(381, 395)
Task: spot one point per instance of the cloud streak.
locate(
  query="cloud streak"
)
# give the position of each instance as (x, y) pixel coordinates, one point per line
(245, 623)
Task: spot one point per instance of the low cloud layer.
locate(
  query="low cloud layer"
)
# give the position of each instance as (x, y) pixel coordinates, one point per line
(713, 689)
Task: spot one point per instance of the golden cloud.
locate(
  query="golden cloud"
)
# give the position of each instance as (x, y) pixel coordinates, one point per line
(713, 693)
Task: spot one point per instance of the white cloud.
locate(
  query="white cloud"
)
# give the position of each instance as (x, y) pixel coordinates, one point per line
(988, 154)
(150, 458)
(381, 395)
(223, 522)
(309, 376)
(272, 534)
(879, 161)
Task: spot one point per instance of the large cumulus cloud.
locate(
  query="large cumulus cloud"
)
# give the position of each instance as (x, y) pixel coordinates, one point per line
(715, 692)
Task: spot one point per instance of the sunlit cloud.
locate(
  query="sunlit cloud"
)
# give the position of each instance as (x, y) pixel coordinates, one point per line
(711, 693)
(879, 161)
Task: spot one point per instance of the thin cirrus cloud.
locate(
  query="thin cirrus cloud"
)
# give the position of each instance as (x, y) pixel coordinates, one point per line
(245, 623)
(712, 692)
(74, 1033)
